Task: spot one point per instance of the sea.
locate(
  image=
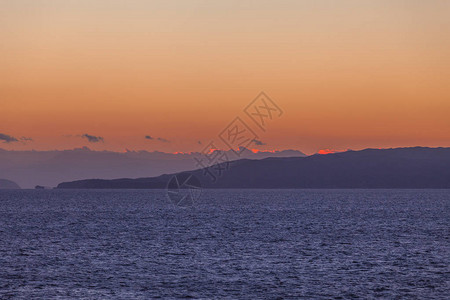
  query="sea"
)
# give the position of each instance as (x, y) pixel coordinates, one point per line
(229, 244)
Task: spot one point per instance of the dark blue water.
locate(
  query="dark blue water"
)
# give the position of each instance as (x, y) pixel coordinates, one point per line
(246, 244)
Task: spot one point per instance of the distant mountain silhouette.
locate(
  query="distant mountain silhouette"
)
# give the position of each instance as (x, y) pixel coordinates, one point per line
(48, 168)
(8, 185)
(417, 167)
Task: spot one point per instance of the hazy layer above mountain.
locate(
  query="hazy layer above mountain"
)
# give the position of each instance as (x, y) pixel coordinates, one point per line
(48, 168)
(8, 185)
(371, 168)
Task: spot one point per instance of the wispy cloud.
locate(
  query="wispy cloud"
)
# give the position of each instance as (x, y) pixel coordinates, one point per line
(93, 138)
(7, 138)
(259, 143)
(149, 137)
(11, 139)
(163, 140)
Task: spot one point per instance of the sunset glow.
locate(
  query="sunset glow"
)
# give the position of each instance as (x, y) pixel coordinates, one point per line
(330, 151)
(347, 74)
(326, 151)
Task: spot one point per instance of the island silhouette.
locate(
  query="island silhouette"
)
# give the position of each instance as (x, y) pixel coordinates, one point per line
(416, 167)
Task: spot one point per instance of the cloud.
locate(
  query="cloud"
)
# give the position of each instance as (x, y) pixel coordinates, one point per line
(149, 137)
(163, 140)
(259, 143)
(92, 138)
(7, 138)
(10, 139)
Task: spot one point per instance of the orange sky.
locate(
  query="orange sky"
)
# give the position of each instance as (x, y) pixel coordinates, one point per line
(347, 74)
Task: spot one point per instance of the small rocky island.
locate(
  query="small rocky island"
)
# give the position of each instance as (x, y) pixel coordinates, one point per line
(40, 187)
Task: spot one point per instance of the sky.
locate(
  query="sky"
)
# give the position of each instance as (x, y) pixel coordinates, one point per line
(172, 75)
